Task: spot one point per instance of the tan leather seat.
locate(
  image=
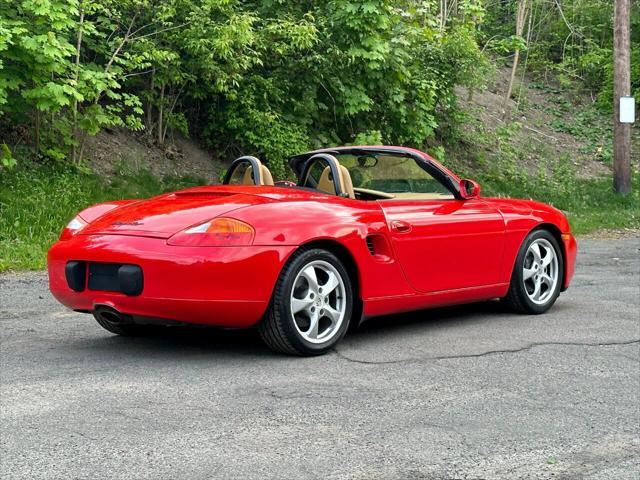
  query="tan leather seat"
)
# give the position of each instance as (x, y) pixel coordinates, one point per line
(325, 184)
(265, 176)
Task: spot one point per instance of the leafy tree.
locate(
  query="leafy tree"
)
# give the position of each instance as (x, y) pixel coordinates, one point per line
(266, 76)
(570, 42)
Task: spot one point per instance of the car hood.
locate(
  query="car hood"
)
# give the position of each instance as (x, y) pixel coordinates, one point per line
(168, 214)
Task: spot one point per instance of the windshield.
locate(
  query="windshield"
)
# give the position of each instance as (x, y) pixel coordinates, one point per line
(397, 176)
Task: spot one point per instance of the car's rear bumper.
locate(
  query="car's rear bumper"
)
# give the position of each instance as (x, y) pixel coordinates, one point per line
(224, 286)
(570, 254)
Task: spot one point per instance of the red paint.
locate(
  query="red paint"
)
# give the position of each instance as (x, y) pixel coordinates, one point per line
(428, 252)
(450, 243)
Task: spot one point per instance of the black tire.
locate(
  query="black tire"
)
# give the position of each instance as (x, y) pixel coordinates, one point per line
(517, 298)
(122, 328)
(278, 329)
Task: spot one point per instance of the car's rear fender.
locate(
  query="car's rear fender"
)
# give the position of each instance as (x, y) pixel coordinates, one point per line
(342, 224)
(94, 212)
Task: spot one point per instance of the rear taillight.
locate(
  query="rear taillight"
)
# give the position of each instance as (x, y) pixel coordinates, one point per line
(73, 227)
(219, 232)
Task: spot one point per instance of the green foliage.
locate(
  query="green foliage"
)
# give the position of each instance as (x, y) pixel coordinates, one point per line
(502, 46)
(271, 77)
(6, 157)
(331, 71)
(267, 77)
(63, 68)
(570, 42)
(373, 137)
(587, 125)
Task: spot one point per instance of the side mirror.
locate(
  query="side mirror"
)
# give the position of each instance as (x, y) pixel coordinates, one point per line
(469, 189)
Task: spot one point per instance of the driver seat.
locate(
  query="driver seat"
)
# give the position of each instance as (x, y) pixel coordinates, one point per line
(265, 176)
(325, 183)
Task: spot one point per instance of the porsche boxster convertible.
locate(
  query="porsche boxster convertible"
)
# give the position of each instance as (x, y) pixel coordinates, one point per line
(365, 231)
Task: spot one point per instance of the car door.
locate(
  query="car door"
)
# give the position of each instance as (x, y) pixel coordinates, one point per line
(446, 244)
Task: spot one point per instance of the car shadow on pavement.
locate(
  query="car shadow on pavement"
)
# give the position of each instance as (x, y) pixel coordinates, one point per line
(432, 318)
(188, 340)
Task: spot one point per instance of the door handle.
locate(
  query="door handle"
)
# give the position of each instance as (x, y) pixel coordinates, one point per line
(400, 226)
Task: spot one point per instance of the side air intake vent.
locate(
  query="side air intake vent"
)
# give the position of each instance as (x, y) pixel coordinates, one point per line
(370, 246)
(378, 248)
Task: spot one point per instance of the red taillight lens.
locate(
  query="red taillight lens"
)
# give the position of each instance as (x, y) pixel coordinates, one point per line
(73, 227)
(219, 232)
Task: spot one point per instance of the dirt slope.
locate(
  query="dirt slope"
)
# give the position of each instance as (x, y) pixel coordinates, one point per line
(538, 114)
(536, 125)
(112, 151)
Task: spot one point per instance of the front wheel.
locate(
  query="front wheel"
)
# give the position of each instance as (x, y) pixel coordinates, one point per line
(311, 305)
(537, 274)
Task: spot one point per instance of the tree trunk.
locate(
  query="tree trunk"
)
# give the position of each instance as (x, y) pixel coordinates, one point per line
(76, 76)
(160, 116)
(621, 88)
(520, 16)
(171, 108)
(37, 132)
(526, 58)
(149, 116)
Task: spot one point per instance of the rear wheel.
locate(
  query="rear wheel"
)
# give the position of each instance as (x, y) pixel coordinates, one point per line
(311, 305)
(537, 274)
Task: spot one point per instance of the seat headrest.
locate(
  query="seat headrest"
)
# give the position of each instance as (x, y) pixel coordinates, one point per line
(326, 184)
(265, 176)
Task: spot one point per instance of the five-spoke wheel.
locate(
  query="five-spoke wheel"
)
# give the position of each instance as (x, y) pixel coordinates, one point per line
(311, 305)
(540, 272)
(318, 301)
(537, 274)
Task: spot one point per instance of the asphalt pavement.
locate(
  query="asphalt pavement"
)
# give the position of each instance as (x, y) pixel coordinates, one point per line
(466, 392)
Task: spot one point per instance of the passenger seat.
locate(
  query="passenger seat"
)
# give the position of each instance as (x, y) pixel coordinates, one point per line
(325, 184)
(265, 176)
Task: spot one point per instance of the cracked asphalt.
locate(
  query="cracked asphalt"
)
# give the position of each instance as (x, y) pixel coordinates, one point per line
(466, 392)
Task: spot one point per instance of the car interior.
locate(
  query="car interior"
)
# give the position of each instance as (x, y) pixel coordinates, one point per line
(364, 177)
(248, 170)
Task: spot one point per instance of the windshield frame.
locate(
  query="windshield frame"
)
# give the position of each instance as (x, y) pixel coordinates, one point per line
(447, 178)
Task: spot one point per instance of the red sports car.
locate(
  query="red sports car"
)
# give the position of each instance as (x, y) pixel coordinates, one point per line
(365, 231)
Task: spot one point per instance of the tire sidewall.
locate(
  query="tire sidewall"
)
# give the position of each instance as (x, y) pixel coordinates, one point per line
(518, 270)
(298, 263)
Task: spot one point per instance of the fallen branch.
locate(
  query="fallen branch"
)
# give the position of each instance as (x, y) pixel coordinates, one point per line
(540, 133)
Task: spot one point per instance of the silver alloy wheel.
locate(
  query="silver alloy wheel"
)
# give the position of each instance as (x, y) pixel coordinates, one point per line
(540, 271)
(318, 301)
